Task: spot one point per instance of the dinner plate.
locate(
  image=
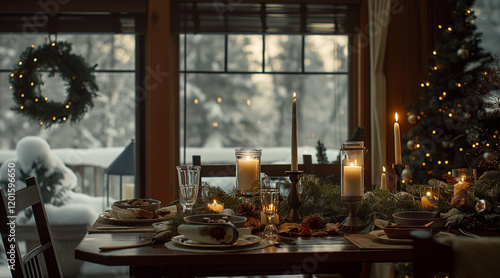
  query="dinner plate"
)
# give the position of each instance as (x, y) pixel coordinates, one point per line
(380, 235)
(108, 218)
(242, 241)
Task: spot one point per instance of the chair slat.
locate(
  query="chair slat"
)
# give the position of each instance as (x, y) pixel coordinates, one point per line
(29, 265)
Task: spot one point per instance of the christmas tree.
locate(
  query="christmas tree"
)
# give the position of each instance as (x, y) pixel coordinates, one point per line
(453, 126)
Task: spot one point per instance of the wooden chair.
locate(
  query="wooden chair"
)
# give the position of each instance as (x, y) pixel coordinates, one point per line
(431, 257)
(33, 264)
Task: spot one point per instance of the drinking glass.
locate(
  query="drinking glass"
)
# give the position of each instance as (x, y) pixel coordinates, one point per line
(269, 194)
(189, 182)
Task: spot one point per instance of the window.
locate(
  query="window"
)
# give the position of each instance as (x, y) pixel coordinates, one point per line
(105, 129)
(239, 65)
(236, 90)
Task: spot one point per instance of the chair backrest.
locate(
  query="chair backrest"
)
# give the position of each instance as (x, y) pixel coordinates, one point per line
(32, 264)
(431, 257)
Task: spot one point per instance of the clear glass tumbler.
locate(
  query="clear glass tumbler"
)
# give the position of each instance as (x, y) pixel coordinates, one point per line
(189, 183)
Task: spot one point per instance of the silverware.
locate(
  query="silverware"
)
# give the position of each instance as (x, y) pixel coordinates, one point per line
(114, 227)
(110, 248)
(465, 233)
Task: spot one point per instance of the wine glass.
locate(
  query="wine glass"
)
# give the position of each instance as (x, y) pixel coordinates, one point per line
(189, 182)
(270, 193)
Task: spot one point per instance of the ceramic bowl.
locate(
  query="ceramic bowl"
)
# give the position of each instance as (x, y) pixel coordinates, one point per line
(402, 232)
(145, 204)
(200, 219)
(418, 218)
(213, 233)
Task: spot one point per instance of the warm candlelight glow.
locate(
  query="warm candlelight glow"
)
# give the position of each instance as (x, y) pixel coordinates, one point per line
(294, 94)
(428, 193)
(383, 169)
(216, 207)
(396, 116)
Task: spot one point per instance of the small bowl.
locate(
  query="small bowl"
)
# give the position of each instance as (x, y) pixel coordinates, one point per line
(418, 218)
(152, 206)
(238, 221)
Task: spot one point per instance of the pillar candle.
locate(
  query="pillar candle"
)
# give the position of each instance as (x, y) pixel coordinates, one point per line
(352, 181)
(128, 191)
(397, 143)
(248, 172)
(295, 165)
(383, 180)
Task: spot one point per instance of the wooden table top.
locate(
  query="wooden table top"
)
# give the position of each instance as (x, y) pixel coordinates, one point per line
(311, 254)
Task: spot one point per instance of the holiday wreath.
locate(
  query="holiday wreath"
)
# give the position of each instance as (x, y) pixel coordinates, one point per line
(26, 82)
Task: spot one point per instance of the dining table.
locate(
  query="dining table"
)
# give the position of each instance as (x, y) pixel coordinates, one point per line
(345, 255)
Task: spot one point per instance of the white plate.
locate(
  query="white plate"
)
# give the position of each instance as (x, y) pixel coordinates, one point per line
(108, 218)
(381, 236)
(242, 241)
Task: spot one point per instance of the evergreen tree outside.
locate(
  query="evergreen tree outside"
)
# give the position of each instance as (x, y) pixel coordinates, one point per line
(453, 129)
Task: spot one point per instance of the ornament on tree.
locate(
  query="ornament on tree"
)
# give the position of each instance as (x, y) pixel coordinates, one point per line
(412, 119)
(463, 52)
(411, 144)
(407, 174)
(488, 157)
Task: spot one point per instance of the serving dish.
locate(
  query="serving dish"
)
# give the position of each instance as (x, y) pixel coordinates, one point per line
(418, 218)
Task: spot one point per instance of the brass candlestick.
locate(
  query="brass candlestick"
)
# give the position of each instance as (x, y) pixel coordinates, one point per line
(398, 169)
(294, 200)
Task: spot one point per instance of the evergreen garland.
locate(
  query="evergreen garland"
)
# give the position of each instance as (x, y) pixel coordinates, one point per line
(26, 82)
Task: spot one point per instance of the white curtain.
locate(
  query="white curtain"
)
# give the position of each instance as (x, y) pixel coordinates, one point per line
(379, 17)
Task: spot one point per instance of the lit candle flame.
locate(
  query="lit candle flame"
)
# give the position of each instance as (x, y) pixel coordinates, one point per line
(215, 202)
(428, 193)
(294, 94)
(396, 116)
(247, 157)
(383, 168)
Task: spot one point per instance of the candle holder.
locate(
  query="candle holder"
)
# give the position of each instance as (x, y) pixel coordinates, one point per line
(247, 172)
(352, 222)
(352, 182)
(294, 200)
(398, 169)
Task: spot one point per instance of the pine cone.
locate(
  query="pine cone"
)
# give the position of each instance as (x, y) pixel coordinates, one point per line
(313, 222)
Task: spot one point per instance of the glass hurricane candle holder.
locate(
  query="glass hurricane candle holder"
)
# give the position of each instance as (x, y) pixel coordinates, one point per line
(429, 197)
(464, 175)
(247, 170)
(352, 170)
(352, 181)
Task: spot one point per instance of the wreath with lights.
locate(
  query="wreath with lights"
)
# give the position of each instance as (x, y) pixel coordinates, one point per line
(26, 81)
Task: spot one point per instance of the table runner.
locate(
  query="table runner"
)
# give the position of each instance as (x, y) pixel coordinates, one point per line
(102, 223)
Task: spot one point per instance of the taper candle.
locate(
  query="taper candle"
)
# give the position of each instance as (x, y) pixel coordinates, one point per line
(295, 164)
(397, 143)
(383, 180)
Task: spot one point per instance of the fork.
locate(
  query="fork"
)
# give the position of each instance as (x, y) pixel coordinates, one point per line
(468, 234)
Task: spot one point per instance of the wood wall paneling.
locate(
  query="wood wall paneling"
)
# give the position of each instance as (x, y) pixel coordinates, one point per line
(161, 129)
